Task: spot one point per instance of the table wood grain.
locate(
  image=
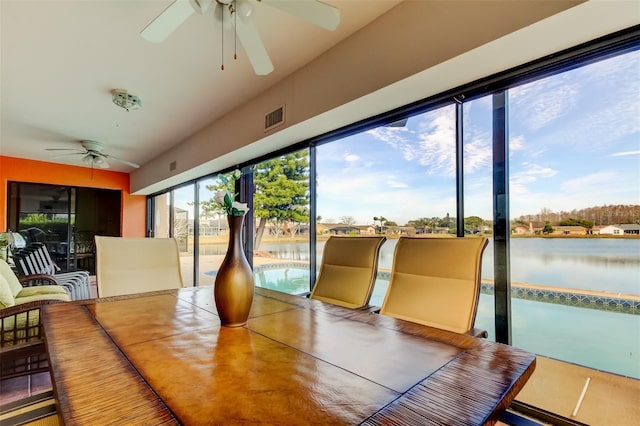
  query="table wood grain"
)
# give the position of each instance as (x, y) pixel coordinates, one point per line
(163, 358)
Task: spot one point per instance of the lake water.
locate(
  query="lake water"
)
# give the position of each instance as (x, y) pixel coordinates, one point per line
(605, 264)
(608, 341)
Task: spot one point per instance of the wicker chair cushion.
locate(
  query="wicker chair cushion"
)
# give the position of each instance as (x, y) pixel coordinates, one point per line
(49, 296)
(6, 295)
(10, 276)
(42, 289)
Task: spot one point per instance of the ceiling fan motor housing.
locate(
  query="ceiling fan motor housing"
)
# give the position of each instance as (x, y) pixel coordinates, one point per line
(92, 145)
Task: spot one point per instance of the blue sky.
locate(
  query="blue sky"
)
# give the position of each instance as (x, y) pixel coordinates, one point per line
(574, 142)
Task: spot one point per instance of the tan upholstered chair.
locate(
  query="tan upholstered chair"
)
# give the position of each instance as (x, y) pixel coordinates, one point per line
(436, 282)
(136, 265)
(348, 271)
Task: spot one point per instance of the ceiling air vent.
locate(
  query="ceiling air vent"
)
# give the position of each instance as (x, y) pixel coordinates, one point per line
(274, 118)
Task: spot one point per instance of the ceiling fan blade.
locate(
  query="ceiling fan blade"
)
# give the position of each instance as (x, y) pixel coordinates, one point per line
(128, 163)
(63, 149)
(316, 12)
(66, 155)
(168, 21)
(253, 46)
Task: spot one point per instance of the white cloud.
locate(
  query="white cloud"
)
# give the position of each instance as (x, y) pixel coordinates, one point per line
(598, 103)
(437, 142)
(477, 155)
(351, 158)
(394, 183)
(543, 101)
(432, 145)
(591, 183)
(625, 153)
(516, 143)
(529, 174)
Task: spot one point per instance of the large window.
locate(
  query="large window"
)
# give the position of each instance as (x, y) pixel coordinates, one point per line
(397, 179)
(478, 188)
(212, 235)
(183, 229)
(575, 175)
(282, 223)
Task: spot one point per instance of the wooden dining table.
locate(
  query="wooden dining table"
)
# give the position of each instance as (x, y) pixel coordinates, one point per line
(163, 358)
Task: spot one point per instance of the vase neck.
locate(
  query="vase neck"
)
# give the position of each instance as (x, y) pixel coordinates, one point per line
(235, 232)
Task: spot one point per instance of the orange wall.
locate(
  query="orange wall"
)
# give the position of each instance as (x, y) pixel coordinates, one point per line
(21, 170)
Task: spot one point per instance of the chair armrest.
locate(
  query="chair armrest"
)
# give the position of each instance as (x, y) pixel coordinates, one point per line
(37, 279)
(26, 307)
(477, 332)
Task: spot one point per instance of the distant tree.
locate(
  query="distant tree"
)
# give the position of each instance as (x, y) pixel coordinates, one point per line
(546, 214)
(577, 222)
(473, 224)
(548, 229)
(381, 220)
(209, 208)
(433, 222)
(446, 222)
(421, 223)
(347, 220)
(390, 223)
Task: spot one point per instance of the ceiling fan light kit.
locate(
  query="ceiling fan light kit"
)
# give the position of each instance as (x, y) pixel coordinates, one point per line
(126, 100)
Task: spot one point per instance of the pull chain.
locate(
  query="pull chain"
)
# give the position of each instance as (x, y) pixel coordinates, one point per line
(235, 30)
(222, 38)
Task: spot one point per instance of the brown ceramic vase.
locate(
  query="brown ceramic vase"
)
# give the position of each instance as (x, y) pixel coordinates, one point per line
(234, 285)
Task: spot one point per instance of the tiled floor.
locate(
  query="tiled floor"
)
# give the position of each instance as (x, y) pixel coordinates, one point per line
(583, 394)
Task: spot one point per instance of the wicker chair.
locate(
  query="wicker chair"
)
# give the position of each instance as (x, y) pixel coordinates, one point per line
(22, 349)
(348, 271)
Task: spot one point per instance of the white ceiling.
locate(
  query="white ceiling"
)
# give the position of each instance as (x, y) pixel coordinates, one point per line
(61, 59)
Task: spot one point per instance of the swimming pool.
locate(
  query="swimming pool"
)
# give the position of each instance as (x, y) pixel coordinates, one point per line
(599, 339)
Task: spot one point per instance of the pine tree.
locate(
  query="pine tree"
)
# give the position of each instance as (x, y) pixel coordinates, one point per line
(282, 193)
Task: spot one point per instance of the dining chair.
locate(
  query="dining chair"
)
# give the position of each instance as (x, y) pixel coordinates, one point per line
(436, 282)
(348, 271)
(127, 265)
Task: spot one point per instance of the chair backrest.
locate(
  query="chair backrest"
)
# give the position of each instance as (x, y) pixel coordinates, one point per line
(348, 271)
(136, 265)
(436, 282)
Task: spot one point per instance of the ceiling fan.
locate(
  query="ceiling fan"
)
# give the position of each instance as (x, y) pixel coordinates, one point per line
(239, 12)
(92, 155)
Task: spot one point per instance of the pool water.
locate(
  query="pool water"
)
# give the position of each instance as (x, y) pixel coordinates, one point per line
(608, 341)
